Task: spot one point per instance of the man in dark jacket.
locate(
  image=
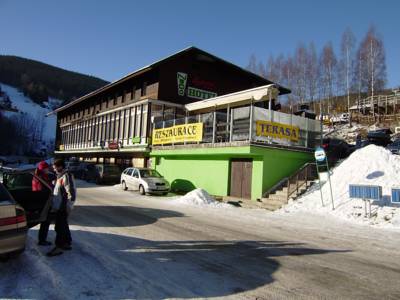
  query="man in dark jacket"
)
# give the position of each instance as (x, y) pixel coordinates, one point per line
(63, 201)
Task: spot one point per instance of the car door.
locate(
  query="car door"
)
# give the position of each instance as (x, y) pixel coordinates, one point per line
(35, 203)
(128, 178)
(135, 179)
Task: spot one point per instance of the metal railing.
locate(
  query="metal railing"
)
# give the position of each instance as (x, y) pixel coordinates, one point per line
(296, 181)
(221, 127)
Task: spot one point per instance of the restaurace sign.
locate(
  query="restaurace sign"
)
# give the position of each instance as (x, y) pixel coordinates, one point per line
(190, 91)
(277, 130)
(178, 134)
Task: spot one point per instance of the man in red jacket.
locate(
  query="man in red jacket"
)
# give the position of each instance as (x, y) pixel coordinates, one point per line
(42, 171)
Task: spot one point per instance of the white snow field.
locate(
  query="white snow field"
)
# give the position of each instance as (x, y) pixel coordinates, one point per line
(372, 165)
(127, 246)
(26, 105)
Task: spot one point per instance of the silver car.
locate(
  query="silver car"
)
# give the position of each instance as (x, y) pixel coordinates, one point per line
(144, 181)
(20, 209)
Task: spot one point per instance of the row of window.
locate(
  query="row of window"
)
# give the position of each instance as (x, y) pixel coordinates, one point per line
(116, 126)
(112, 100)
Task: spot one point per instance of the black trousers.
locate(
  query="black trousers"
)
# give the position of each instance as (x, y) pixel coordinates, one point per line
(63, 234)
(43, 231)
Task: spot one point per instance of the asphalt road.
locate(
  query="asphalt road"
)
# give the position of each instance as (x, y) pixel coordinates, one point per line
(130, 246)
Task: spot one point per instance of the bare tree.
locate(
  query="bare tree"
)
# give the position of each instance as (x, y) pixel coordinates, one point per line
(371, 63)
(312, 73)
(300, 72)
(347, 63)
(252, 66)
(328, 67)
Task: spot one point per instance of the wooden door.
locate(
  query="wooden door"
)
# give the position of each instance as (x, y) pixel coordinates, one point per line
(241, 170)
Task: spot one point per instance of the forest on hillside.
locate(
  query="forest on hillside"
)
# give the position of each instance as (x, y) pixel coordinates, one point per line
(329, 80)
(39, 81)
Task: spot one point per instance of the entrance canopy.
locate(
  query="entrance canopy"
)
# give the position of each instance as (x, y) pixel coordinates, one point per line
(258, 94)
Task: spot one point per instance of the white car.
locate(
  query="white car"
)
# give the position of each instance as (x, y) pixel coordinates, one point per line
(145, 181)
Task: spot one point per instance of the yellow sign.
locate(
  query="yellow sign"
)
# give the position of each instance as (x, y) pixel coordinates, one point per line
(178, 134)
(277, 130)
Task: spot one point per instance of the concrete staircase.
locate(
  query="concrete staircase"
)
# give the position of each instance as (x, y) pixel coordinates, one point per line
(280, 197)
(289, 188)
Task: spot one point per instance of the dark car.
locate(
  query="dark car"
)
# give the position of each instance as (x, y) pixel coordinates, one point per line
(102, 173)
(82, 170)
(336, 149)
(394, 147)
(20, 208)
(380, 137)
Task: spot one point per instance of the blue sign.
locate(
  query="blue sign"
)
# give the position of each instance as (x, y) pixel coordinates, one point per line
(371, 192)
(319, 154)
(395, 195)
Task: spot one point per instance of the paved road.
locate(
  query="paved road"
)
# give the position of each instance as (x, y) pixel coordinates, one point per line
(130, 246)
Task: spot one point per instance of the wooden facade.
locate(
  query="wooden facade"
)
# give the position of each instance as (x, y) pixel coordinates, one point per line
(122, 111)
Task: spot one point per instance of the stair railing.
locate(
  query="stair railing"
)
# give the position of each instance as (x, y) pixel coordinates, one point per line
(295, 181)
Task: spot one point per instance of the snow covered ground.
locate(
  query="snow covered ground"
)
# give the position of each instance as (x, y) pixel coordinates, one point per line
(26, 105)
(127, 246)
(371, 165)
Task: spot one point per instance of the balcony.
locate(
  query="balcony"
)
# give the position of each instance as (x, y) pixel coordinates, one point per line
(238, 126)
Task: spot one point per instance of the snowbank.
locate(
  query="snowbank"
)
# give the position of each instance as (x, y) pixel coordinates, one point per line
(199, 197)
(370, 165)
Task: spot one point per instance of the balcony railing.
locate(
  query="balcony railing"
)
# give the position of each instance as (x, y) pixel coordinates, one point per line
(251, 124)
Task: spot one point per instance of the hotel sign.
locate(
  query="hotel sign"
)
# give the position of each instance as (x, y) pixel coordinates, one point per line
(178, 134)
(190, 91)
(277, 130)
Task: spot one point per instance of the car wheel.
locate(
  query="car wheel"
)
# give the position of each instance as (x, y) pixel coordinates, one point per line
(124, 187)
(142, 190)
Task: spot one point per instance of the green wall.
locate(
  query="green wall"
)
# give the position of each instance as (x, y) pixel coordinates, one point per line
(275, 165)
(209, 168)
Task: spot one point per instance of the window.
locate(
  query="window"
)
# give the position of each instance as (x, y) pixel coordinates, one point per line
(144, 89)
(115, 99)
(133, 92)
(129, 172)
(123, 96)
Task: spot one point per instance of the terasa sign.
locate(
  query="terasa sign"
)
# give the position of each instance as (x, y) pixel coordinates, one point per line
(190, 91)
(178, 134)
(277, 130)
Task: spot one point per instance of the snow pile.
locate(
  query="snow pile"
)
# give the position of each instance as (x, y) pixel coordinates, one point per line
(199, 197)
(372, 165)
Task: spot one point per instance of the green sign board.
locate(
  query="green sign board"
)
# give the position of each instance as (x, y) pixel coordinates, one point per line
(136, 140)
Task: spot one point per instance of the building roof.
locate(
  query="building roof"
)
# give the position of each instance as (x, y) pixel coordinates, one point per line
(260, 93)
(147, 68)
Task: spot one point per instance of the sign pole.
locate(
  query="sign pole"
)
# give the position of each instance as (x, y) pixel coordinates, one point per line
(330, 185)
(320, 186)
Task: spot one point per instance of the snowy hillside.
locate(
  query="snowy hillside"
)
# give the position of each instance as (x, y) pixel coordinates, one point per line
(26, 106)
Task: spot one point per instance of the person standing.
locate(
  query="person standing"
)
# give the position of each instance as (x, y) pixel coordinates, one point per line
(64, 196)
(42, 171)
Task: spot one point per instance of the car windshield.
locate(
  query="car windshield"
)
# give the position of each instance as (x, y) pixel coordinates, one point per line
(112, 169)
(149, 173)
(4, 195)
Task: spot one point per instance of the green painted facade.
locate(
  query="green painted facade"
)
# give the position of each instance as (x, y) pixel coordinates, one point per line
(209, 168)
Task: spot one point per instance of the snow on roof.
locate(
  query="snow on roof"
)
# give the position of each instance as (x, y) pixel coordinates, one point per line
(261, 93)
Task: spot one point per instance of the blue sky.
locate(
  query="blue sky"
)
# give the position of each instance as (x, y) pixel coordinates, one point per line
(109, 39)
